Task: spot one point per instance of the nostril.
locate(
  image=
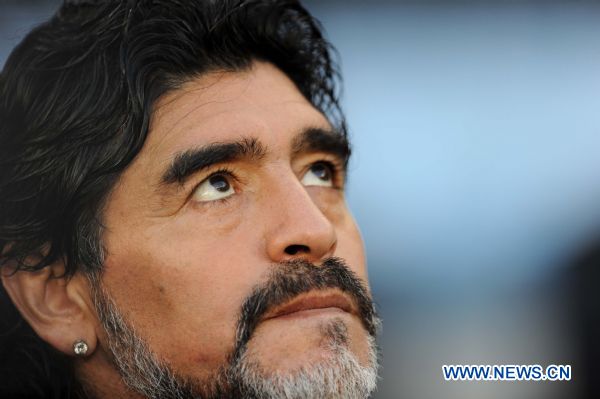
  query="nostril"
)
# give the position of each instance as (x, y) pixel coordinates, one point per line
(295, 249)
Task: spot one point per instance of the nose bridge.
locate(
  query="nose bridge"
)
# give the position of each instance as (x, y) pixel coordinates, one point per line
(297, 228)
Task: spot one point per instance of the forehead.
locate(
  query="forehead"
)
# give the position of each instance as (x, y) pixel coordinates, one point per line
(261, 102)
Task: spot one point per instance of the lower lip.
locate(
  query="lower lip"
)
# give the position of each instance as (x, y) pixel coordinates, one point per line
(302, 314)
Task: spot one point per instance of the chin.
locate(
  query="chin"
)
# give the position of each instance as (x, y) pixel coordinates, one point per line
(320, 363)
(288, 345)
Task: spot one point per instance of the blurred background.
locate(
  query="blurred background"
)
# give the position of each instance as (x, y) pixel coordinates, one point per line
(475, 180)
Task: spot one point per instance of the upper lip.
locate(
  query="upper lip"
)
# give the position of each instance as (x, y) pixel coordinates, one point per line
(313, 300)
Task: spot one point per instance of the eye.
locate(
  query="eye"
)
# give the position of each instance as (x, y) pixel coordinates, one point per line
(214, 188)
(319, 174)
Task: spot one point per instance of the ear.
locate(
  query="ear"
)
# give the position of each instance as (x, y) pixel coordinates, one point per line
(57, 308)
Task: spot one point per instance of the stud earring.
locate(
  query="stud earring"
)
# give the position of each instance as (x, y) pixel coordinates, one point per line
(80, 347)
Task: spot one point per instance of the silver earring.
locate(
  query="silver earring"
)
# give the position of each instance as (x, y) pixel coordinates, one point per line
(80, 347)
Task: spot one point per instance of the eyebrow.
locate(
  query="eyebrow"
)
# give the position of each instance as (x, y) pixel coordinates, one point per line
(187, 163)
(323, 140)
(192, 161)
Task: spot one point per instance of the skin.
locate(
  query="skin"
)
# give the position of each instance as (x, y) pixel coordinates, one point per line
(179, 266)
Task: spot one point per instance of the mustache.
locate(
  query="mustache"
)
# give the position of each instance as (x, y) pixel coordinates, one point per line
(290, 279)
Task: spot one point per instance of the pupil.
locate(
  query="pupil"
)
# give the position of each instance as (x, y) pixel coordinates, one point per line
(219, 183)
(321, 171)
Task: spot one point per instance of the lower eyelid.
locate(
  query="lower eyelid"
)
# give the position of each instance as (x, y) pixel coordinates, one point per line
(213, 203)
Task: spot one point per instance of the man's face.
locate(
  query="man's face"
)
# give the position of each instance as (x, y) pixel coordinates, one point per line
(239, 175)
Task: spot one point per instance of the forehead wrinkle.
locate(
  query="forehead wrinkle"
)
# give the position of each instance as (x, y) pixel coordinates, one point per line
(181, 120)
(190, 88)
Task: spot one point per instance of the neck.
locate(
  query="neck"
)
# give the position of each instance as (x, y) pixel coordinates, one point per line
(99, 379)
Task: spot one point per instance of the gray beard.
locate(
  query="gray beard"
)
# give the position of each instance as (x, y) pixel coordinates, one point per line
(337, 375)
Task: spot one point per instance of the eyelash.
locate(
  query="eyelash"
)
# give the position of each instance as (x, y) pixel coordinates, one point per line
(336, 171)
(221, 171)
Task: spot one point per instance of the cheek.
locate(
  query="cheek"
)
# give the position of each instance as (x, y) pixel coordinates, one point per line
(182, 293)
(331, 202)
(350, 246)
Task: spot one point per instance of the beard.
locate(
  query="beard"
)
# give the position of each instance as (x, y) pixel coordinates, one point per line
(337, 375)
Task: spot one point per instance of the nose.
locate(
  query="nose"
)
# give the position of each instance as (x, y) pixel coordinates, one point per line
(298, 228)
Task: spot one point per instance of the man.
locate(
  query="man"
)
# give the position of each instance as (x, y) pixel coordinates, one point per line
(173, 222)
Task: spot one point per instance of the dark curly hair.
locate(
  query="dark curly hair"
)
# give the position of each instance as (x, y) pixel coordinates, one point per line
(76, 98)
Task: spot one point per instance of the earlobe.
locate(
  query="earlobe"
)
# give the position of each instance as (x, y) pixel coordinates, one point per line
(54, 307)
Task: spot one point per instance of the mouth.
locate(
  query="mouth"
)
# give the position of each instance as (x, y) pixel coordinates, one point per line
(314, 303)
